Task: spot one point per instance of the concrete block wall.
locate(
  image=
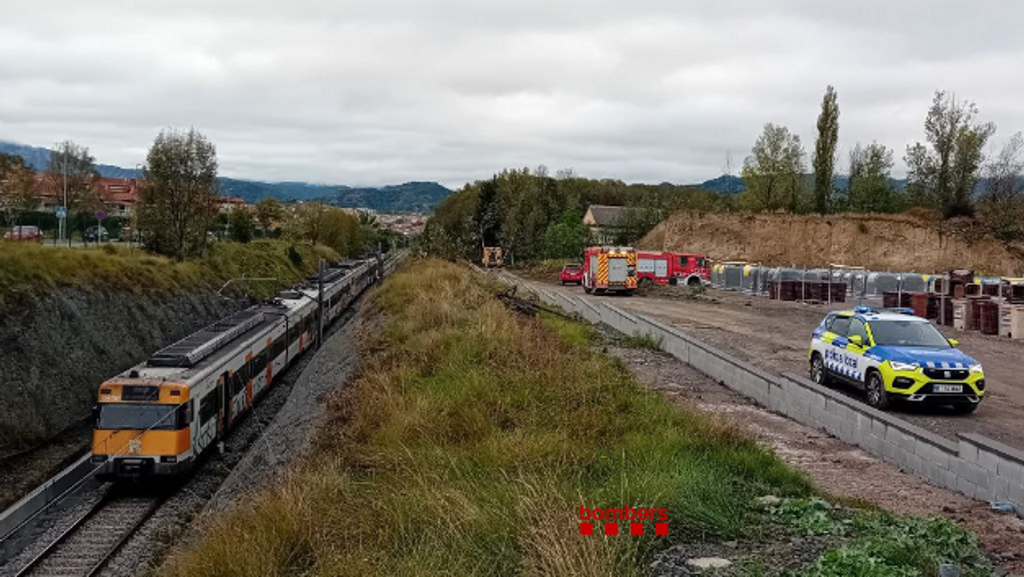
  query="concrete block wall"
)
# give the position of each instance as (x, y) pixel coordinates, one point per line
(976, 466)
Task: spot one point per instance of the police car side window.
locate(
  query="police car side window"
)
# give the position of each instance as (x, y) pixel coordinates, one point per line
(840, 325)
(857, 328)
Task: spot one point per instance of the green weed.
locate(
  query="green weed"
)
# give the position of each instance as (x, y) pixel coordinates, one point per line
(642, 341)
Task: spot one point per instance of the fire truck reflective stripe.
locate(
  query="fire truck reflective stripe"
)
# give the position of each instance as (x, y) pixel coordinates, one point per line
(602, 269)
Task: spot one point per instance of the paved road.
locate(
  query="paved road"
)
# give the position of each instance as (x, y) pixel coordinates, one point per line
(775, 335)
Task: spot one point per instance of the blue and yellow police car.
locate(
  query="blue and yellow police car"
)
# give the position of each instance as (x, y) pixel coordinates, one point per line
(894, 355)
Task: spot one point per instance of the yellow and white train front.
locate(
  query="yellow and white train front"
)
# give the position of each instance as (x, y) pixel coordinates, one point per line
(142, 429)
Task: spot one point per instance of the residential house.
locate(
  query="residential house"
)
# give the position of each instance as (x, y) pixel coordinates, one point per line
(118, 195)
(604, 222)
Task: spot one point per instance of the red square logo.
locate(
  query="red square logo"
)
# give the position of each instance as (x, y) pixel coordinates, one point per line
(611, 528)
(586, 528)
(661, 528)
(636, 528)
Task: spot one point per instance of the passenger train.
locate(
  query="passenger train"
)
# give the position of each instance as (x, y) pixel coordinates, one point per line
(158, 417)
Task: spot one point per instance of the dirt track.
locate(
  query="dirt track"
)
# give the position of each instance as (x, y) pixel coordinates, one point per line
(836, 468)
(774, 335)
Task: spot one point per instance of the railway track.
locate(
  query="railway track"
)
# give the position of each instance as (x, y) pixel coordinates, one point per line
(84, 548)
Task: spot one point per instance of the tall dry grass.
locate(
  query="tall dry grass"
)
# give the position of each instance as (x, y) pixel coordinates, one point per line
(468, 445)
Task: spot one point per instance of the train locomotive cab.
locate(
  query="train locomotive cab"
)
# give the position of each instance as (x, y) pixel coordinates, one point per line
(142, 428)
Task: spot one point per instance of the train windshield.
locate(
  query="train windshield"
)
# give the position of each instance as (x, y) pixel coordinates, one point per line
(140, 417)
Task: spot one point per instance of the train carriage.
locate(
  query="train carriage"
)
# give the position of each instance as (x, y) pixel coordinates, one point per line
(156, 418)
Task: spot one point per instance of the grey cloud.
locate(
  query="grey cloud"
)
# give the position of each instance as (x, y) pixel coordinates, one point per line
(379, 92)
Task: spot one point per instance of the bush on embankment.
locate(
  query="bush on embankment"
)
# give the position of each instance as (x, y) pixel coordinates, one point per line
(29, 271)
(70, 318)
(468, 446)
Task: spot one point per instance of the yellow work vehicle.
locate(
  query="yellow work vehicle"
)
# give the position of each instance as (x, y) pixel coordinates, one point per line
(493, 257)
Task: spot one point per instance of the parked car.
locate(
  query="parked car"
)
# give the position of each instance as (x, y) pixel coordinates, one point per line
(24, 234)
(128, 234)
(96, 234)
(895, 356)
(571, 274)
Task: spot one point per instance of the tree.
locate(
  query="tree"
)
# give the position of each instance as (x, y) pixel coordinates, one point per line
(70, 177)
(943, 172)
(825, 151)
(1002, 202)
(17, 188)
(567, 237)
(178, 192)
(636, 222)
(319, 223)
(773, 173)
(870, 188)
(269, 211)
(240, 225)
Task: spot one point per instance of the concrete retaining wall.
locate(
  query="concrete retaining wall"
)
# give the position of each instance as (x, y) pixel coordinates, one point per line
(975, 465)
(45, 494)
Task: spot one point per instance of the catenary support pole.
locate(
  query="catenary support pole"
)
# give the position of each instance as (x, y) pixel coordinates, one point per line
(320, 306)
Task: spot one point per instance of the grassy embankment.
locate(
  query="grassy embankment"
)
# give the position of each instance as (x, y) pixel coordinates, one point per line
(28, 271)
(469, 444)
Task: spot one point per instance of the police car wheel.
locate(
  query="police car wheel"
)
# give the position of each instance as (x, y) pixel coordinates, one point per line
(818, 373)
(878, 397)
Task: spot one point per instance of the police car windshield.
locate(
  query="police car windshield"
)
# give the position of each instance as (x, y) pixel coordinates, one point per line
(907, 334)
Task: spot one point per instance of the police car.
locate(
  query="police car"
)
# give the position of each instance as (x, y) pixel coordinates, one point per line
(895, 355)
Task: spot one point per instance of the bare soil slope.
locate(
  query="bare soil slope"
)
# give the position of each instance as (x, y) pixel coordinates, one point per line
(880, 242)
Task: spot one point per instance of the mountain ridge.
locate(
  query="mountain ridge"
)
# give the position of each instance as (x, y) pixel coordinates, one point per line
(414, 196)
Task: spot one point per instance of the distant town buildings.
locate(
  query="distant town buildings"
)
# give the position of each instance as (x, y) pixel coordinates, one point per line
(118, 195)
(228, 205)
(406, 224)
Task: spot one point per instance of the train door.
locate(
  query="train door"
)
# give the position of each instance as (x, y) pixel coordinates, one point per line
(210, 420)
(224, 401)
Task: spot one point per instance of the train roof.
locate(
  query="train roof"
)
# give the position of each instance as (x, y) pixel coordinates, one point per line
(194, 354)
(209, 346)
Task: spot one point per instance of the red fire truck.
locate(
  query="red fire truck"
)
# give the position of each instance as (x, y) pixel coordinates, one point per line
(672, 268)
(609, 269)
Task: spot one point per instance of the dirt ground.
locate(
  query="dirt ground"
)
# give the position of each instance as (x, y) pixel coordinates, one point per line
(841, 470)
(919, 241)
(775, 335)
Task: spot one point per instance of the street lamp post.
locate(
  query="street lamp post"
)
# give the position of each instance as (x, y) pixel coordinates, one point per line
(64, 170)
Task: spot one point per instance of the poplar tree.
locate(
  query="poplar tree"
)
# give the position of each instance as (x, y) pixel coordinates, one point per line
(825, 151)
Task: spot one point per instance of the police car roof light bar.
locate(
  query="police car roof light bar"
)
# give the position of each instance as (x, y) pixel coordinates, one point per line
(900, 310)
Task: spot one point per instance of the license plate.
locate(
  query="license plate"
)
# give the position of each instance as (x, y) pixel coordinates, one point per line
(948, 388)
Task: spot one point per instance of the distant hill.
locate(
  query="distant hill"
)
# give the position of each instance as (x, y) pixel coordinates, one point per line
(38, 158)
(730, 184)
(408, 197)
(725, 184)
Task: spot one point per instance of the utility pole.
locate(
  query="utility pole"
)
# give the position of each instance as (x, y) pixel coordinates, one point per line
(320, 306)
(64, 170)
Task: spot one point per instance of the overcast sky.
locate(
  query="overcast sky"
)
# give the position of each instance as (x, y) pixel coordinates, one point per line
(385, 91)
